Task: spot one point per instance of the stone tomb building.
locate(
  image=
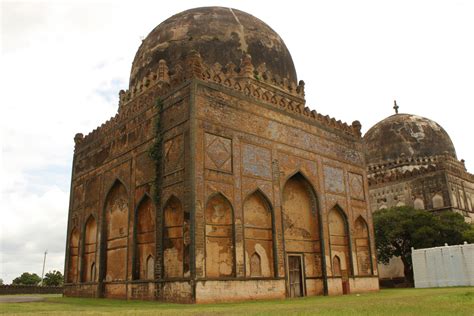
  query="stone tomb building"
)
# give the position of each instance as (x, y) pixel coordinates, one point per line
(412, 161)
(214, 181)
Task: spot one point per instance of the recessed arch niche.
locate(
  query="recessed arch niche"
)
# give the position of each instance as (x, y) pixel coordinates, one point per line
(116, 232)
(73, 256)
(220, 257)
(89, 249)
(258, 232)
(339, 239)
(362, 244)
(301, 223)
(145, 243)
(175, 239)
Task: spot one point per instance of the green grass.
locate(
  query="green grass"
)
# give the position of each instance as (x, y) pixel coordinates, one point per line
(439, 301)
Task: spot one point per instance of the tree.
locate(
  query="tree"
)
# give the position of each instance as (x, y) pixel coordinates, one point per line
(53, 278)
(398, 229)
(453, 229)
(1, 281)
(27, 279)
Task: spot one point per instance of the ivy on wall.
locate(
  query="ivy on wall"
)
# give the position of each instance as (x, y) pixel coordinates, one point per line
(156, 152)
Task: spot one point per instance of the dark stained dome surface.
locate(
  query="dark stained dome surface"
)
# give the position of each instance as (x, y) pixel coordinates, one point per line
(411, 135)
(219, 35)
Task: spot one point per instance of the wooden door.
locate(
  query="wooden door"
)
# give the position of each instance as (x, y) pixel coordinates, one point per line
(345, 282)
(295, 276)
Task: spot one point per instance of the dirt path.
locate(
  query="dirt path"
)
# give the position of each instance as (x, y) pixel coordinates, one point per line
(20, 299)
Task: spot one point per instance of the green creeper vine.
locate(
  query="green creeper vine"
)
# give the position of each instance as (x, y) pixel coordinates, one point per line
(156, 152)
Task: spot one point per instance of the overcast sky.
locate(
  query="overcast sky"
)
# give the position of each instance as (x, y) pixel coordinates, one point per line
(63, 63)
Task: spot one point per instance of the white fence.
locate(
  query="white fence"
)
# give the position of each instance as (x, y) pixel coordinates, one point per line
(444, 266)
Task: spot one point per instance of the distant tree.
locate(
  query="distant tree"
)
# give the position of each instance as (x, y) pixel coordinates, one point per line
(53, 278)
(1, 281)
(453, 230)
(27, 279)
(398, 229)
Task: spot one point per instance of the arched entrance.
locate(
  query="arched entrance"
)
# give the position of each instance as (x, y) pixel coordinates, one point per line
(302, 237)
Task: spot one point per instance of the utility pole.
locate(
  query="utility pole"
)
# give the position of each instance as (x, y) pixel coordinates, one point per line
(44, 262)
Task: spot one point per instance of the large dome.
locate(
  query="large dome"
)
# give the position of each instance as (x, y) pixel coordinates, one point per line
(410, 135)
(220, 35)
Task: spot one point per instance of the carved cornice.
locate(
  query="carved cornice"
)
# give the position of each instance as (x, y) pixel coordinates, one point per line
(256, 82)
(410, 167)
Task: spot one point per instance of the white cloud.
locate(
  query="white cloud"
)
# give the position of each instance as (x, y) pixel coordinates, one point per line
(64, 62)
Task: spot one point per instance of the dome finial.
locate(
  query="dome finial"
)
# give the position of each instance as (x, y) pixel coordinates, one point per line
(395, 106)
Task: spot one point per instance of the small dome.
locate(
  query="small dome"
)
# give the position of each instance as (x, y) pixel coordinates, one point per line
(218, 34)
(410, 135)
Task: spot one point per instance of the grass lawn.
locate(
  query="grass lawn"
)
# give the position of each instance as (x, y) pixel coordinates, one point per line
(439, 301)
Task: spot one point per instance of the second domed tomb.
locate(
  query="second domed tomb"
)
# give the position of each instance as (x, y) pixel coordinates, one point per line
(214, 181)
(412, 161)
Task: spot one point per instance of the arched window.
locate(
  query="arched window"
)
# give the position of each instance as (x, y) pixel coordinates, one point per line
(339, 238)
(419, 204)
(150, 268)
(116, 234)
(93, 271)
(454, 199)
(461, 200)
(258, 234)
(174, 247)
(255, 265)
(336, 266)
(301, 223)
(362, 243)
(89, 249)
(219, 237)
(145, 237)
(438, 201)
(73, 256)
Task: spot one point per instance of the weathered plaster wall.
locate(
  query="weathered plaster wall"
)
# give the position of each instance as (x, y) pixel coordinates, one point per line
(243, 147)
(243, 184)
(239, 290)
(112, 180)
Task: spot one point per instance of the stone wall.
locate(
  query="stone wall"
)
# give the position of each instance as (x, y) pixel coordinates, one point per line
(239, 290)
(244, 183)
(30, 289)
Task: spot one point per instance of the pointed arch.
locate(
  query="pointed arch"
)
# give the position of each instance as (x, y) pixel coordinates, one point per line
(262, 195)
(302, 223)
(93, 271)
(115, 231)
(339, 240)
(299, 174)
(73, 255)
(438, 201)
(362, 244)
(150, 268)
(419, 204)
(336, 266)
(258, 232)
(175, 245)
(454, 198)
(341, 211)
(220, 253)
(469, 201)
(255, 265)
(89, 249)
(118, 182)
(145, 236)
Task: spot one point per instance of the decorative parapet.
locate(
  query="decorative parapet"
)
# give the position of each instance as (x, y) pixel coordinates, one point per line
(253, 81)
(408, 167)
